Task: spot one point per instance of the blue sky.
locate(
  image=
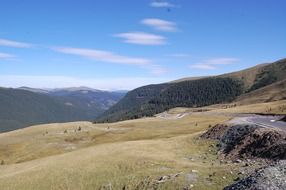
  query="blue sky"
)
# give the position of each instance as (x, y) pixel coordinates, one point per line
(112, 44)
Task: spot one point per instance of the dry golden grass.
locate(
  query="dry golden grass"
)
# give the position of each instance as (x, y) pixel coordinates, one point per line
(270, 93)
(125, 155)
(130, 154)
(275, 107)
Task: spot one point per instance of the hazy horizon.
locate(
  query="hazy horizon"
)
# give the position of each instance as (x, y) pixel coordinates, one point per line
(140, 43)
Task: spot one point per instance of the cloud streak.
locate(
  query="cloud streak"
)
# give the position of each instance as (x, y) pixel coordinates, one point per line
(180, 55)
(104, 56)
(6, 56)
(15, 44)
(142, 38)
(159, 24)
(110, 57)
(212, 64)
(162, 4)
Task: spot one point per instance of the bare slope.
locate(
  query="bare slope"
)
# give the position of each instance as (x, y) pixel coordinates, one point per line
(273, 92)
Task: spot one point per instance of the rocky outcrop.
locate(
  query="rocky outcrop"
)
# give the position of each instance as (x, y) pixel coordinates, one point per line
(272, 177)
(216, 132)
(248, 141)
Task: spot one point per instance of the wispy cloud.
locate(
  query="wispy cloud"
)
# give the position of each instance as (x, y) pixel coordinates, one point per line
(15, 44)
(159, 24)
(104, 56)
(123, 83)
(203, 66)
(162, 4)
(6, 56)
(110, 57)
(211, 64)
(180, 55)
(221, 61)
(157, 69)
(142, 38)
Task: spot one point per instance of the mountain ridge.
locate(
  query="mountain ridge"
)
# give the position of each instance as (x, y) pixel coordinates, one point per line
(24, 106)
(154, 98)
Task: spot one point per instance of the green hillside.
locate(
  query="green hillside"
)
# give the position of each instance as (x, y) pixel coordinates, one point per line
(21, 108)
(270, 74)
(194, 92)
(149, 100)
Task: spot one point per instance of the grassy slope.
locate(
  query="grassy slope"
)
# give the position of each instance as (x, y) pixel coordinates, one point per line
(131, 153)
(248, 76)
(273, 92)
(275, 107)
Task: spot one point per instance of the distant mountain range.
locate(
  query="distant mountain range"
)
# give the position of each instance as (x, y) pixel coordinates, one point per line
(26, 106)
(202, 91)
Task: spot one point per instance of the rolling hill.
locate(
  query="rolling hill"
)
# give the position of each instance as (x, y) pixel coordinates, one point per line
(194, 92)
(27, 106)
(273, 92)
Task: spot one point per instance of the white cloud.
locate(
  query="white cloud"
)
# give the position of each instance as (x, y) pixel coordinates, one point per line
(214, 63)
(162, 4)
(6, 56)
(111, 57)
(104, 56)
(15, 44)
(142, 38)
(203, 66)
(159, 24)
(127, 83)
(221, 61)
(180, 55)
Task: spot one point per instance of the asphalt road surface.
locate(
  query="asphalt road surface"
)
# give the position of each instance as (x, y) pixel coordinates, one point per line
(262, 121)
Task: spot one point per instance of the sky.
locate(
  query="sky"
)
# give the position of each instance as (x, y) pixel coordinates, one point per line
(124, 44)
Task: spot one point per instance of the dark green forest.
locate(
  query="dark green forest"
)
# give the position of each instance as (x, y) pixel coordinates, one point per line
(21, 108)
(152, 99)
(149, 100)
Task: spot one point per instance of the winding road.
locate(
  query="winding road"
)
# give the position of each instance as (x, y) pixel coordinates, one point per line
(262, 121)
(265, 121)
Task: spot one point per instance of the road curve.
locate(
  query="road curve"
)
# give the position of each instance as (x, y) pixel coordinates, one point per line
(262, 121)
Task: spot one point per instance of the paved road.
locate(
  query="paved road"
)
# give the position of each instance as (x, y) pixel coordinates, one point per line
(262, 121)
(166, 115)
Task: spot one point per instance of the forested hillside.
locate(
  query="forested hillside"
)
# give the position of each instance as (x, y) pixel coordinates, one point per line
(20, 108)
(194, 92)
(24, 107)
(149, 100)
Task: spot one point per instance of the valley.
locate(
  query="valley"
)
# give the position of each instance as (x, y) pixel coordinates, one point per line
(23, 107)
